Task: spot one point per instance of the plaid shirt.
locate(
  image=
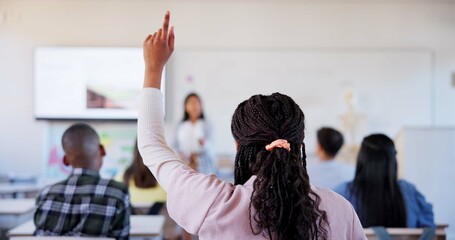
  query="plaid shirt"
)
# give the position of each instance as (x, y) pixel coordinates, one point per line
(83, 205)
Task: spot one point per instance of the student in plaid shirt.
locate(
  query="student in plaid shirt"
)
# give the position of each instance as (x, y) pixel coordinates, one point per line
(84, 204)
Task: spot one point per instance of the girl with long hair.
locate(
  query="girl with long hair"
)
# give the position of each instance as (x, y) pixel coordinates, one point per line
(272, 197)
(142, 185)
(379, 198)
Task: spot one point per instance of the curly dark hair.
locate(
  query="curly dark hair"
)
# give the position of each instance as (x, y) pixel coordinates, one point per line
(284, 205)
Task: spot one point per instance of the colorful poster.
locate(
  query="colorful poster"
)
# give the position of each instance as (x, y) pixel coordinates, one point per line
(118, 140)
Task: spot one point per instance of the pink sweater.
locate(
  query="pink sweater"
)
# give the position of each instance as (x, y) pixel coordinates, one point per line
(204, 205)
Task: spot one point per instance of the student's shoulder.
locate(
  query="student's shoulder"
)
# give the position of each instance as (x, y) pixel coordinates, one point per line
(114, 188)
(344, 165)
(406, 187)
(52, 190)
(116, 184)
(331, 200)
(342, 188)
(404, 183)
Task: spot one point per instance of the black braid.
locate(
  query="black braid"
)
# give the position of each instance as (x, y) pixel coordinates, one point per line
(284, 205)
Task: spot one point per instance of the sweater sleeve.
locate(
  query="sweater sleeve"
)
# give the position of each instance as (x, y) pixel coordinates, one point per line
(156, 154)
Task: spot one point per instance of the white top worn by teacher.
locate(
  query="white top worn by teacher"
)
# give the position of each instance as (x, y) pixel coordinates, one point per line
(187, 139)
(208, 207)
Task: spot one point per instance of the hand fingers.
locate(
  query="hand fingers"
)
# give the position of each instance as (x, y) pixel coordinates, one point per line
(153, 37)
(147, 38)
(159, 33)
(171, 39)
(163, 34)
(165, 28)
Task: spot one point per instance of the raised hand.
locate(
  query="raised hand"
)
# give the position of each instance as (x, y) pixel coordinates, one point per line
(158, 48)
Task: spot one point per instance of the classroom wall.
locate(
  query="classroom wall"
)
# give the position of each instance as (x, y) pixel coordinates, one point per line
(318, 80)
(434, 160)
(254, 24)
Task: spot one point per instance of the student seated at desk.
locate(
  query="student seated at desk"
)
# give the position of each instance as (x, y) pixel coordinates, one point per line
(327, 171)
(377, 196)
(142, 185)
(84, 204)
(145, 190)
(272, 197)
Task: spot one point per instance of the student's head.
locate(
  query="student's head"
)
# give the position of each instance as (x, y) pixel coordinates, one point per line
(377, 157)
(193, 108)
(376, 175)
(329, 143)
(284, 202)
(82, 147)
(138, 172)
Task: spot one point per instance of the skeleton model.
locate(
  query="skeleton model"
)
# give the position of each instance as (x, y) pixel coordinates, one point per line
(352, 124)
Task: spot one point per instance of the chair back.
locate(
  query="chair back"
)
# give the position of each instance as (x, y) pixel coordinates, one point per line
(381, 233)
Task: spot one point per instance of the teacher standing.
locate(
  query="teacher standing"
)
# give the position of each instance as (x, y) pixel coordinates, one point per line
(193, 136)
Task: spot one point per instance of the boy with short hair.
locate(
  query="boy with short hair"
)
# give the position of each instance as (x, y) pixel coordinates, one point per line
(84, 204)
(326, 171)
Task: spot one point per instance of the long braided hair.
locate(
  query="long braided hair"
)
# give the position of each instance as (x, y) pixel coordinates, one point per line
(285, 206)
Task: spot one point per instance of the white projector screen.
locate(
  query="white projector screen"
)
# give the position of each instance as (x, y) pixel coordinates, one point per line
(88, 82)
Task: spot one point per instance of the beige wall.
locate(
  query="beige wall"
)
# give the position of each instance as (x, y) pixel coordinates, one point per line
(25, 24)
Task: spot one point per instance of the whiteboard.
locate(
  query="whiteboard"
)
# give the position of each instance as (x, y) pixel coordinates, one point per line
(392, 88)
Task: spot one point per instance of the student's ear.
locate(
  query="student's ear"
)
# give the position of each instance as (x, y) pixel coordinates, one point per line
(236, 146)
(318, 149)
(65, 161)
(102, 150)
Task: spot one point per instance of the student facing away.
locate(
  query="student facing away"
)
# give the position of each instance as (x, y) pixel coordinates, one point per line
(326, 171)
(84, 204)
(142, 185)
(144, 189)
(379, 198)
(272, 197)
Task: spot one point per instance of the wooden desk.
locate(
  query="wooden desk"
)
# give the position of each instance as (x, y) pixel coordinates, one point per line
(59, 237)
(15, 189)
(141, 208)
(23, 230)
(141, 226)
(17, 206)
(406, 233)
(15, 211)
(146, 225)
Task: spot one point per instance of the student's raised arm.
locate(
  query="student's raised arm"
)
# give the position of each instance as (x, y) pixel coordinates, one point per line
(158, 48)
(185, 187)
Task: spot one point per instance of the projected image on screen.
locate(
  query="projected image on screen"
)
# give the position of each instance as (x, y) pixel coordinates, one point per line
(111, 91)
(95, 99)
(88, 83)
